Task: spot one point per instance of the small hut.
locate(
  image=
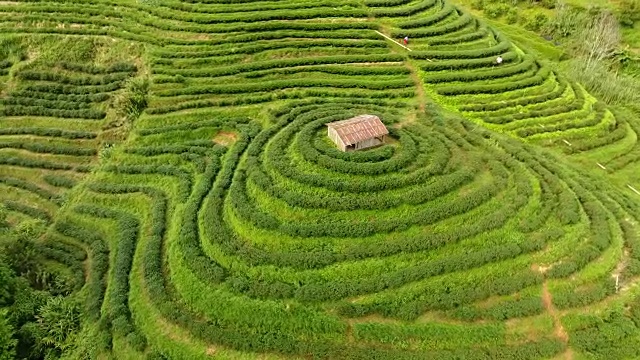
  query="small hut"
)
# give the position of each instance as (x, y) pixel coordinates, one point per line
(360, 132)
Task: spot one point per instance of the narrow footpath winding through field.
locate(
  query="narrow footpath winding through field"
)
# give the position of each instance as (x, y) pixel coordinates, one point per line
(414, 71)
(420, 94)
(419, 87)
(560, 332)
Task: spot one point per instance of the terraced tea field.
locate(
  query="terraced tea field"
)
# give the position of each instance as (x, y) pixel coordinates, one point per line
(177, 153)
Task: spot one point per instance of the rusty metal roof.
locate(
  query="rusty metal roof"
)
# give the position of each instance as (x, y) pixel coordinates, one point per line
(359, 128)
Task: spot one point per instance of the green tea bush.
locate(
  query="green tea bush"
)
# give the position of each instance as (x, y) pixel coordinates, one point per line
(25, 185)
(48, 148)
(468, 64)
(459, 23)
(496, 88)
(285, 84)
(30, 211)
(510, 70)
(584, 296)
(60, 89)
(385, 3)
(59, 181)
(215, 123)
(185, 177)
(71, 80)
(442, 299)
(73, 250)
(430, 20)
(95, 70)
(49, 132)
(458, 39)
(164, 57)
(283, 63)
(63, 105)
(336, 291)
(408, 10)
(61, 256)
(20, 110)
(596, 119)
(34, 163)
(118, 310)
(577, 104)
(502, 47)
(537, 99)
(494, 11)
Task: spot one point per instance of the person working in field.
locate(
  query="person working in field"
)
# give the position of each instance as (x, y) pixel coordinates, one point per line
(406, 40)
(499, 60)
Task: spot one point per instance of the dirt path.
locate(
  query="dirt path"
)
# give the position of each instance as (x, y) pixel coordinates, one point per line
(560, 332)
(422, 99)
(419, 86)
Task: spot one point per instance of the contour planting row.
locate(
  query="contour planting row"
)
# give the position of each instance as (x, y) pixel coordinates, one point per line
(322, 277)
(292, 60)
(38, 172)
(150, 168)
(236, 324)
(142, 22)
(205, 79)
(517, 95)
(281, 79)
(258, 218)
(432, 240)
(294, 240)
(49, 135)
(74, 92)
(630, 154)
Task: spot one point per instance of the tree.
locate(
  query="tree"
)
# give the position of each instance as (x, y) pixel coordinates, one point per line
(22, 315)
(7, 342)
(21, 255)
(7, 284)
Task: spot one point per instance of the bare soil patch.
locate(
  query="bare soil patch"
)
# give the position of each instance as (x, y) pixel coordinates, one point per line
(211, 350)
(225, 138)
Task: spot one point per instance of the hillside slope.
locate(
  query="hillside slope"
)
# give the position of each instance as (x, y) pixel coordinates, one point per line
(180, 148)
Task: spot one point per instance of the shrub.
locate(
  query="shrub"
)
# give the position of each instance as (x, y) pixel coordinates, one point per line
(477, 4)
(536, 23)
(494, 11)
(512, 16)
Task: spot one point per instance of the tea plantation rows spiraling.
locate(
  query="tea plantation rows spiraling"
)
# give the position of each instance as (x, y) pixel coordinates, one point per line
(222, 223)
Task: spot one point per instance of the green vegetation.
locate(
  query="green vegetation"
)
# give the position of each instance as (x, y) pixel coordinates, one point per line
(169, 191)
